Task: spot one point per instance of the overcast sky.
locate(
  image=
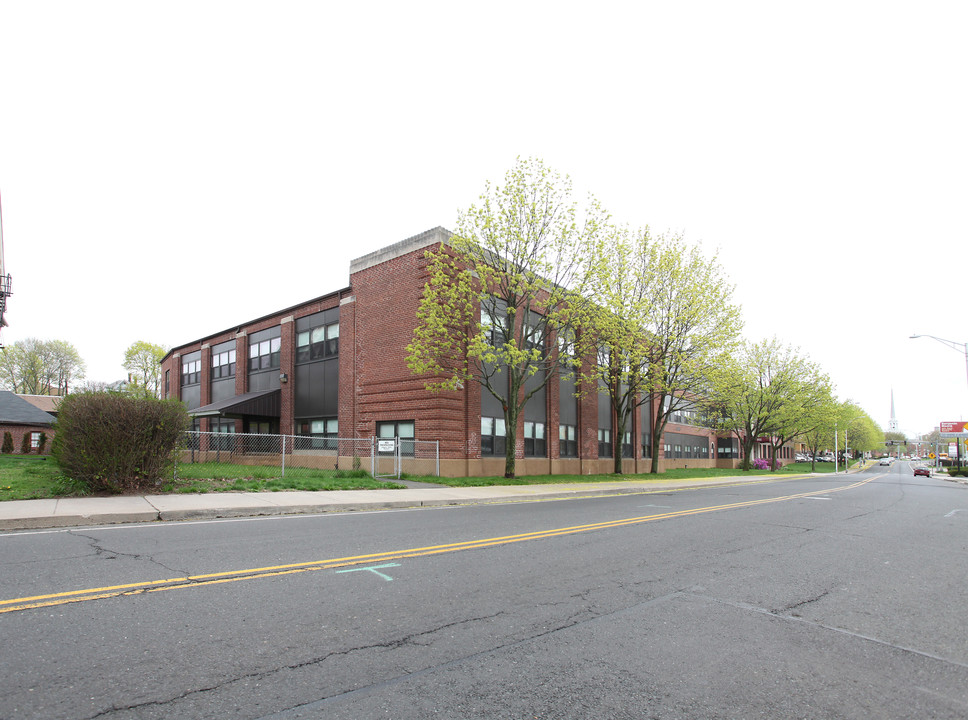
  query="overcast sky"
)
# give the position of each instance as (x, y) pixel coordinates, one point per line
(170, 170)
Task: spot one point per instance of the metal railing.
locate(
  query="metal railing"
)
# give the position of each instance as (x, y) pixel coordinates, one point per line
(379, 457)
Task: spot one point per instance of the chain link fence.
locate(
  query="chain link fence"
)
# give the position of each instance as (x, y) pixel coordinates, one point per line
(380, 457)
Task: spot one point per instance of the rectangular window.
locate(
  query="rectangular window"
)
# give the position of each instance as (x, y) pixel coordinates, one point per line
(627, 445)
(317, 343)
(317, 434)
(604, 443)
(222, 430)
(403, 429)
(535, 444)
(191, 372)
(34, 440)
(567, 443)
(223, 364)
(493, 436)
(167, 382)
(264, 355)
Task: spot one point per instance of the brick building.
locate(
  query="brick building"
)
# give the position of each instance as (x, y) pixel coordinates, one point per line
(335, 367)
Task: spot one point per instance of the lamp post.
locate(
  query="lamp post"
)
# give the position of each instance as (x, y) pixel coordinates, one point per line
(962, 347)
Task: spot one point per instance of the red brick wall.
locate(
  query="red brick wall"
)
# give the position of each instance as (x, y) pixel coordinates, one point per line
(384, 313)
(17, 433)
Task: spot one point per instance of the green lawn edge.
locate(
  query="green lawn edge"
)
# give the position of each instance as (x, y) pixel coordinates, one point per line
(39, 477)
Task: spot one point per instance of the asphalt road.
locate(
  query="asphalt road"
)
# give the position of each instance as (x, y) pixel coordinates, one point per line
(822, 597)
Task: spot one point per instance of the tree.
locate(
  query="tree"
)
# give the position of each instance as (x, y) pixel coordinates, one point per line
(142, 360)
(40, 367)
(805, 389)
(506, 286)
(691, 326)
(748, 390)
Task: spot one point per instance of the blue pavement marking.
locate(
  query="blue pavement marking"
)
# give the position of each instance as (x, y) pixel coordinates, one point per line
(374, 569)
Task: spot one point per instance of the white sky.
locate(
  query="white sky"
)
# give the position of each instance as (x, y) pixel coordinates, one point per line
(170, 170)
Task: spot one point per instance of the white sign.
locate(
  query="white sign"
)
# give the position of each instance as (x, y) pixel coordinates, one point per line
(386, 445)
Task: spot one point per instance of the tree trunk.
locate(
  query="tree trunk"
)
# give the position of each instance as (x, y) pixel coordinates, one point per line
(510, 441)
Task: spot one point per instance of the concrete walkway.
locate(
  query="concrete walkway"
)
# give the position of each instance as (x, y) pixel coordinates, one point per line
(70, 512)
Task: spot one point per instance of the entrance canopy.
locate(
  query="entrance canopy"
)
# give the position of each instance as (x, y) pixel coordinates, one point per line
(263, 403)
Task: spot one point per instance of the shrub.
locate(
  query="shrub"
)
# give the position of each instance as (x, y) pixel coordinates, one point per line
(42, 444)
(25, 444)
(117, 443)
(761, 464)
(7, 443)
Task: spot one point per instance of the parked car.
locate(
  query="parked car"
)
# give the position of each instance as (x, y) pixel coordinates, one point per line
(801, 458)
(926, 472)
(885, 461)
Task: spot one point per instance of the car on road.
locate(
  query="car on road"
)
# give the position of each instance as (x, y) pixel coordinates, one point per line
(926, 472)
(885, 461)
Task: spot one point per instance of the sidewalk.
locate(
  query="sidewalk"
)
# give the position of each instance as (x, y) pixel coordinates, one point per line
(69, 512)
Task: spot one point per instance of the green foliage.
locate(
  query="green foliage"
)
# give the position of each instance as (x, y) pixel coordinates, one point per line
(117, 443)
(7, 443)
(42, 444)
(25, 444)
(142, 360)
(663, 318)
(507, 284)
(38, 367)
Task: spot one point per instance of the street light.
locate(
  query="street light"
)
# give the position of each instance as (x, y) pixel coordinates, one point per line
(963, 347)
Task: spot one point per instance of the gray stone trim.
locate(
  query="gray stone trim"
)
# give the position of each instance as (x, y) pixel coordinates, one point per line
(424, 239)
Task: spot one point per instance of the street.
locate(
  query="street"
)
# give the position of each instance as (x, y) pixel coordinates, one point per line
(815, 597)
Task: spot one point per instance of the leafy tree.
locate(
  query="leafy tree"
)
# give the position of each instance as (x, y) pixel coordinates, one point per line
(770, 389)
(142, 360)
(820, 433)
(40, 367)
(662, 317)
(7, 447)
(508, 283)
(25, 444)
(691, 325)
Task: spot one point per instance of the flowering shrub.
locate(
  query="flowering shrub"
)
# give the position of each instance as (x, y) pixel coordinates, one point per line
(761, 464)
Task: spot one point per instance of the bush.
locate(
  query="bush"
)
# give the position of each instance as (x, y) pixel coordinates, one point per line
(42, 444)
(761, 464)
(25, 444)
(117, 443)
(7, 443)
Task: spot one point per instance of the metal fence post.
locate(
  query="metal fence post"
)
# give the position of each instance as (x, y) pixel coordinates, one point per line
(284, 456)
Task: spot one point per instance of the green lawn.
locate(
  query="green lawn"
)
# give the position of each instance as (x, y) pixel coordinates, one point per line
(30, 477)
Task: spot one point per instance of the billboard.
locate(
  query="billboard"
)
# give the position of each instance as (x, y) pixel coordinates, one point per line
(953, 429)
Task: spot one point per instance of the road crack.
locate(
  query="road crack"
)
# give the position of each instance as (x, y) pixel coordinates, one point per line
(411, 639)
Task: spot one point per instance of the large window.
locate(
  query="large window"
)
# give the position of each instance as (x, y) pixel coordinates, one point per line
(223, 430)
(317, 343)
(604, 443)
(317, 434)
(403, 429)
(535, 444)
(493, 436)
(223, 364)
(191, 372)
(264, 354)
(567, 441)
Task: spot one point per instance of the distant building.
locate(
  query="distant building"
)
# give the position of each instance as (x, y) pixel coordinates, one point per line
(20, 417)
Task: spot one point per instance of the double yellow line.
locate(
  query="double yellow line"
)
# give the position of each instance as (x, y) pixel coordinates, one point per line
(191, 581)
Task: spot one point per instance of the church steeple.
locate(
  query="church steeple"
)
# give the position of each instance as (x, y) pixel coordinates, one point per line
(892, 427)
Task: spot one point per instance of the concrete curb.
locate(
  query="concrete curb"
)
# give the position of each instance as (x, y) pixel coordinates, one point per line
(79, 512)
